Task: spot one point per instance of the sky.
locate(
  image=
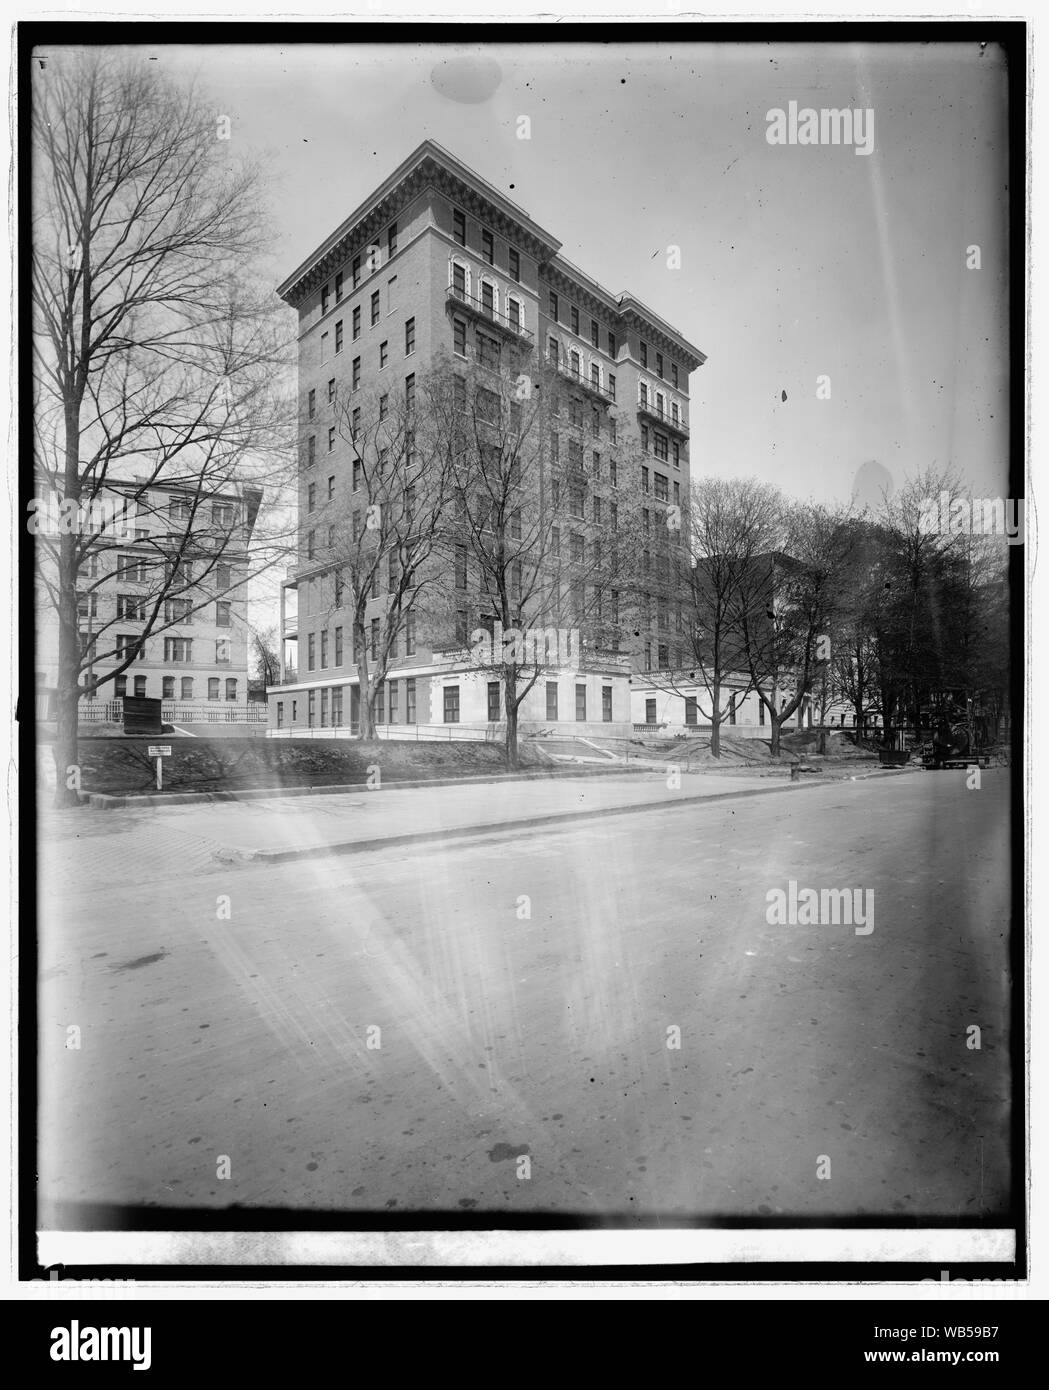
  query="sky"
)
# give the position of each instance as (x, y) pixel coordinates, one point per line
(797, 262)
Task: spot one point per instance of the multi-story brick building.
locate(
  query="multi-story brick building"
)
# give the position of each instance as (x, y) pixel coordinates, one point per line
(437, 262)
(161, 551)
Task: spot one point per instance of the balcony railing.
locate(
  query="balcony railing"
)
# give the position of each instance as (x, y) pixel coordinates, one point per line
(512, 328)
(577, 378)
(663, 419)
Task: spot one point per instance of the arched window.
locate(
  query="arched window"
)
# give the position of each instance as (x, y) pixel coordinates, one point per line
(642, 394)
(574, 363)
(459, 277)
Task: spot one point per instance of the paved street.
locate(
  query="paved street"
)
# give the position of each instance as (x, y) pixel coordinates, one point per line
(506, 1037)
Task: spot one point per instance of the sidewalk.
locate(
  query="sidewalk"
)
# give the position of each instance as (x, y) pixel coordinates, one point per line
(181, 839)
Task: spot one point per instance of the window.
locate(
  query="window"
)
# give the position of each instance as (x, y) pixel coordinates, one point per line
(128, 606)
(673, 373)
(338, 646)
(677, 454)
(391, 572)
(661, 446)
(331, 487)
(187, 687)
(311, 545)
(324, 300)
(488, 247)
(643, 395)
(553, 351)
(580, 702)
(459, 226)
(311, 652)
(459, 337)
(451, 704)
(661, 487)
(384, 406)
(597, 511)
(462, 625)
(222, 651)
(460, 566)
(659, 364)
(384, 354)
(355, 377)
(458, 280)
(356, 271)
(140, 686)
(336, 706)
(311, 404)
(650, 710)
(120, 687)
(644, 480)
(612, 345)
(595, 421)
(514, 261)
(613, 472)
(357, 321)
(577, 549)
(677, 493)
(732, 709)
(493, 702)
(311, 497)
(409, 337)
(595, 333)
(409, 392)
(222, 614)
(574, 317)
(177, 610)
(167, 687)
(409, 635)
(409, 700)
(324, 651)
(612, 396)
(324, 708)
(375, 639)
(664, 656)
(644, 354)
(606, 703)
(213, 687)
(338, 287)
(391, 239)
(325, 353)
(674, 413)
(513, 312)
(392, 702)
(487, 406)
(553, 306)
(375, 308)
(294, 710)
(311, 708)
(575, 365)
(338, 336)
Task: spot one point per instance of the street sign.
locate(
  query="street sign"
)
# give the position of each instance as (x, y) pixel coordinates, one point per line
(160, 750)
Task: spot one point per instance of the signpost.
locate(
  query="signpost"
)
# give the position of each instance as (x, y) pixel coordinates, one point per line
(160, 751)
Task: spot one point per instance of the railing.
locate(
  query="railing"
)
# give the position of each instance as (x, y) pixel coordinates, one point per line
(660, 417)
(413, 733)
(578, 379)
(489, 312)
(179, 712)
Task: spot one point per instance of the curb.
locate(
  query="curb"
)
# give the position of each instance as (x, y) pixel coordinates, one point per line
(278, 856)
(105, 801)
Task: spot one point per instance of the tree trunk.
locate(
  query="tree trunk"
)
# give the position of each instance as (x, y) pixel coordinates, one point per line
(775, 724)
(513, 755)
(366, 713)
(715, 721)
(67, 698)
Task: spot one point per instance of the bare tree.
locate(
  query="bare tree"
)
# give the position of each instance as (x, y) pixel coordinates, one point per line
(529, 547)
(728, 524)
(387, 541)
(155, 352)
(789, 605)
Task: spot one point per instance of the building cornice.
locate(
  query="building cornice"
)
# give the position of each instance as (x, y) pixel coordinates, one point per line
(427, 166)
